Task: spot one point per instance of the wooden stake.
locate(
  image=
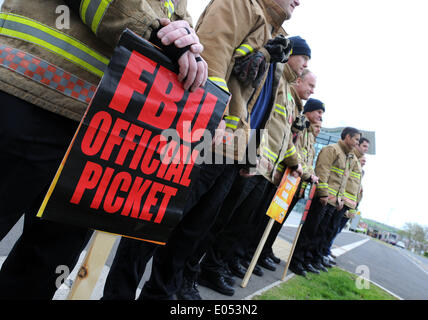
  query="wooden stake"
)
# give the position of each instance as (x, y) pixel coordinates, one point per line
(302, 221)
(95, 259)
(292, 251)
(257, 253)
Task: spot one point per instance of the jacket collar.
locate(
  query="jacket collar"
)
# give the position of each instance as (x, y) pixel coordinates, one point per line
(357, 153)
(290, 75)
(296, 98)
(344, 147)
(274, 13)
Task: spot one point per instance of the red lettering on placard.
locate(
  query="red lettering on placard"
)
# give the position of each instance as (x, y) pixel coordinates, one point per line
(151, 200)
(189, 113)
(133, 202)
(142, 145)
(149, 165)
(101, 190)
(129, 143)
(122, 181)
(115, 137)
(96, 133)
(168, 193)
(130, 81)
(88, 180)
(160, 107)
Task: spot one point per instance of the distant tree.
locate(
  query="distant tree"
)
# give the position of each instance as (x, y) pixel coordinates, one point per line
(416, 232)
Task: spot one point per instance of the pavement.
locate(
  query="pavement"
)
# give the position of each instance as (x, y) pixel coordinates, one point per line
(344, 243)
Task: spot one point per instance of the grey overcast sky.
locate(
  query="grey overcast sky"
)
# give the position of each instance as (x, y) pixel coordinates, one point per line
(370, 58)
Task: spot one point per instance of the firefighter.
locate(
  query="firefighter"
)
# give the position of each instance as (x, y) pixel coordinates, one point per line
(236, 218)
(226, 38)
(313, 112)
(332, 168)
(353, 192)
(48, 76)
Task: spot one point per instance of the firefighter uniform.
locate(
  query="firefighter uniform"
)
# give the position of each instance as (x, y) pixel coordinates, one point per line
(306, 152)
(48, 76)
(238, 216)
(332, 168)
(238, 28)
(352, 197)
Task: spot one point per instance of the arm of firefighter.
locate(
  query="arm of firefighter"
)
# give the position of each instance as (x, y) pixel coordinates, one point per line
(109, 18)
(290, 160)
(322, 170)
(220, 29)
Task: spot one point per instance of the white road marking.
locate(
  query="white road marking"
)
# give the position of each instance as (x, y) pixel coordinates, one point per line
(341, 250)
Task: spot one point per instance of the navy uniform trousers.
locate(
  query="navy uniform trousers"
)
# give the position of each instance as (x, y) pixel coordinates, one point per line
(33, 142)
(207, 194)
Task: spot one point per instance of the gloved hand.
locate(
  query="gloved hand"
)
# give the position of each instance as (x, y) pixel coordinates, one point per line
(250, 69)
(279, 49)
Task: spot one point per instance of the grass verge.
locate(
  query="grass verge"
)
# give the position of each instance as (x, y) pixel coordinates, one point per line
(336, 284)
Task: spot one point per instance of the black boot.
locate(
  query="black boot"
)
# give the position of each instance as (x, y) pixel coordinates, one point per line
(274, 258)
(267, 263)
(236, 268)
(257, 269)
(188, 290)
(310, 268)
(297, 268)
(216, 281)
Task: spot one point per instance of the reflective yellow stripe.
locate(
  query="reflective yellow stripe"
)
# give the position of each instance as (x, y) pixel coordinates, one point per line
(337, 170)
(270, 154)
(231, 122)
(53, 40)
(233, 118)
(322, 185)
(280, 109)
(245, 49)
(170, 6)
(219, 82)
(332, 191)
(92, 11)
(355, 175)
(290, 152)
(350, 196)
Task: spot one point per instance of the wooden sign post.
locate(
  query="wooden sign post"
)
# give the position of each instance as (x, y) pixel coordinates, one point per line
(302, 221)
(92, 266)
(277, 212)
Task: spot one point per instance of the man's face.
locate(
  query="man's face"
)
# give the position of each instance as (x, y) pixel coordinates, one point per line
(363, 161)
(317, 128)
(288, 6)
(298, 63)
(352, 141)
(314, 116)
(363, 147)
(306, 87)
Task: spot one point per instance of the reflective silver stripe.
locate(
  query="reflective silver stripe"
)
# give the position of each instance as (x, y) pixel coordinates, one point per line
(231, 121)
(170, 6)
(92, 12)
(219, 82)
(53, 40)
(245, 49)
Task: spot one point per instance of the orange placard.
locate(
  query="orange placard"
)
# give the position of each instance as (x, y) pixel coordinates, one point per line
(283, 196)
